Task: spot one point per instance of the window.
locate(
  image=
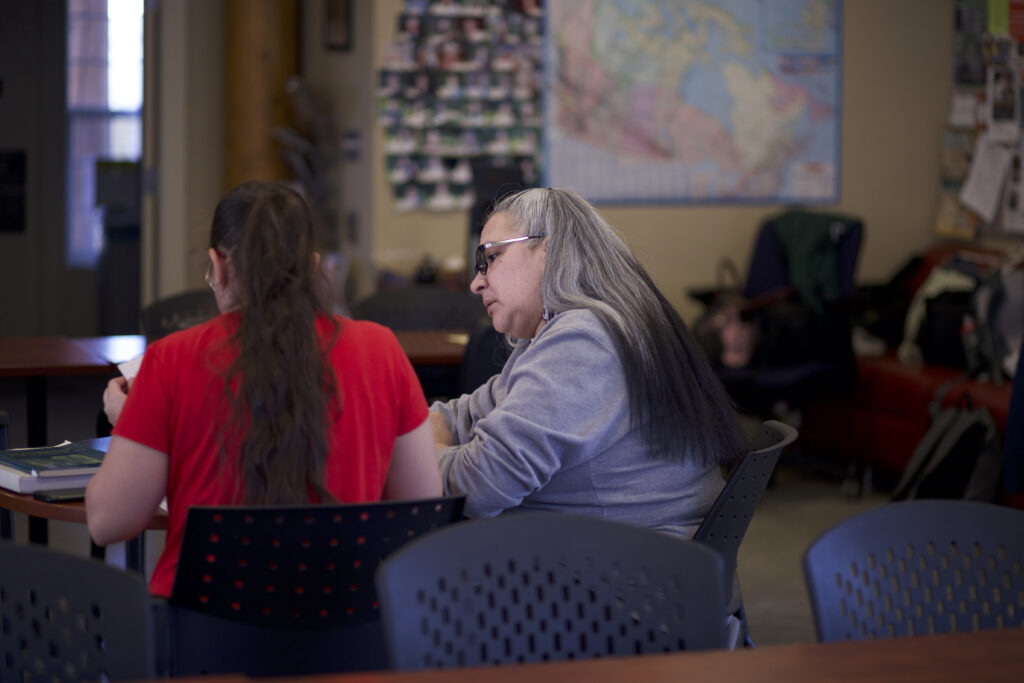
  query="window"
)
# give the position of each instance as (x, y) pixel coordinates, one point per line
(104, 100)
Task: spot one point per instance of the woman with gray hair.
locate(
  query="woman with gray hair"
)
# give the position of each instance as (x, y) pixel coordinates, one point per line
(606, 406)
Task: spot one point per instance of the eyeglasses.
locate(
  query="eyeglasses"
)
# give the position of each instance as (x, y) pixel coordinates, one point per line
(481, 251)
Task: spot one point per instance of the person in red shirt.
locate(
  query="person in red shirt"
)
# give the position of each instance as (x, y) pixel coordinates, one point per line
(275, 401)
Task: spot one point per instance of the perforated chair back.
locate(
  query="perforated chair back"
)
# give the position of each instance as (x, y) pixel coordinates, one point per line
(70, 618)
(727, 521)
(177, 312)
(918, 567)
(289, 589)
(528, 587)
(421, 307)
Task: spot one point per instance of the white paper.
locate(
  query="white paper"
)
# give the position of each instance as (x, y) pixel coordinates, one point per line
(130, 367)
(985, 180)
(963, 110)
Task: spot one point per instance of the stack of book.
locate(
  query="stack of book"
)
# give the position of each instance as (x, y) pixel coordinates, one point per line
(67, 465)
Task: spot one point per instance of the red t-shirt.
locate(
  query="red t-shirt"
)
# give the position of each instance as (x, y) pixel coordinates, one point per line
(177, 405)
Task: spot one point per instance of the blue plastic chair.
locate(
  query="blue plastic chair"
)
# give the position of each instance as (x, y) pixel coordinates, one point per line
(69, 618)
(916, 568)
(527, 587)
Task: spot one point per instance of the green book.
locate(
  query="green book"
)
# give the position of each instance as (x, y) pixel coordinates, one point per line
(53, 461)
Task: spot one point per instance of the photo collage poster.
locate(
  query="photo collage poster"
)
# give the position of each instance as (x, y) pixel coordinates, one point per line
(461, 81)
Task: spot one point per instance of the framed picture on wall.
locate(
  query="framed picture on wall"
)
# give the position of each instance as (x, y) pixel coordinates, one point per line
(338, 31)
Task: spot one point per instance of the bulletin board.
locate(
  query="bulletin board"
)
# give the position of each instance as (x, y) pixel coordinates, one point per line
(982, 184)
(461, 81)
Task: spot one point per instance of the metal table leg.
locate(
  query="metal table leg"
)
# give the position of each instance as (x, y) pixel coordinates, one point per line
(135, 553)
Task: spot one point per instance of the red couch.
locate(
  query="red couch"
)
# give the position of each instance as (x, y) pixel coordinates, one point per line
(881, 422)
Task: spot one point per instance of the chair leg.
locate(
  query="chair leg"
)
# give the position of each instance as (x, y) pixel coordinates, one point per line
(857, 483)
(748, 641)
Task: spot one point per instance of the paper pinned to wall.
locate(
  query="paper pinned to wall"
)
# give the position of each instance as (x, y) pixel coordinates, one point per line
(1002, 103)
(963, 110)
(985, 180)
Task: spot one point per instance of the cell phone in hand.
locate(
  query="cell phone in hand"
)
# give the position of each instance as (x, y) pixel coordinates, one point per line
(61, 495)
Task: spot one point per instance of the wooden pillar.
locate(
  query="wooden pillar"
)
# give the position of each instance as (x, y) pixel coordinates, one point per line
(260, 55)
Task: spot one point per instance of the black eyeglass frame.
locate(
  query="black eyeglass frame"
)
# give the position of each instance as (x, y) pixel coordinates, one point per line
(481, 251)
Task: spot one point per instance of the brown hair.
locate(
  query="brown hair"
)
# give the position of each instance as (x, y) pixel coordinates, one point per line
(286, 389)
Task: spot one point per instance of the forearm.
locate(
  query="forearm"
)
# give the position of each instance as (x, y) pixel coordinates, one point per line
(452, 421)
(125, 492)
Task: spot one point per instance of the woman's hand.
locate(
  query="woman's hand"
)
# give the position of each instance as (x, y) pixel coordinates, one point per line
(114, 397)
(439, 428)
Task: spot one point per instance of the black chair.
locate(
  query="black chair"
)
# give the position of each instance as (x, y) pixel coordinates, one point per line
(918, 567)
(69, 618)
(802, 354)
(421, 307)
(426, 307)
(277, 590)
(177, 312)
(727, 521)
(527, 587)
(485, 356)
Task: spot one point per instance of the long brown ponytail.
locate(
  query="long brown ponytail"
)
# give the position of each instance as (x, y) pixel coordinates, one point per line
(286, 391)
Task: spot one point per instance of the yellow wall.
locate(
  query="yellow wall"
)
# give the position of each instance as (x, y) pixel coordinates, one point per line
(896, 82)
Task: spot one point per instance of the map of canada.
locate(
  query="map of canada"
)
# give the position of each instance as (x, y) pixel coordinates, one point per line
(694, 100)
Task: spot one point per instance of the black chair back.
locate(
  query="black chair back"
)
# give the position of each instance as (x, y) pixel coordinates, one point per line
(69, 618)
(177, 312)
(288, 589)
(916, 568)
(727, 521)
(485, 356)
(421, 307)
(528, 587)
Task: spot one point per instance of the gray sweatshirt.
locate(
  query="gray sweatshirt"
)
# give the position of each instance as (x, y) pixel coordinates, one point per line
(552, 432)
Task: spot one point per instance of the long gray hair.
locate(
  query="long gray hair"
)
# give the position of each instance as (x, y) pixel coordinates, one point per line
(674, 395)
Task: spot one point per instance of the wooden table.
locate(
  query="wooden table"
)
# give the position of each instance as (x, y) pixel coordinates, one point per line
(73, 512)
(424, 347)
(433, 347)
(35, 359)
(984, 656)
(115, 348)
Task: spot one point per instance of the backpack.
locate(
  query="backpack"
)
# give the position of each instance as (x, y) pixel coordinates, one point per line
(958, 457)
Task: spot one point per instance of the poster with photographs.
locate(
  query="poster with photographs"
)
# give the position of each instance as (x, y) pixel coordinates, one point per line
(461, 80)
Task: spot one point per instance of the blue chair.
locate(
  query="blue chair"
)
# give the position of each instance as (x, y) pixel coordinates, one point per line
(70, 618)
(529, 586)
(916, 568)
(288, 590)
(727, 521)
